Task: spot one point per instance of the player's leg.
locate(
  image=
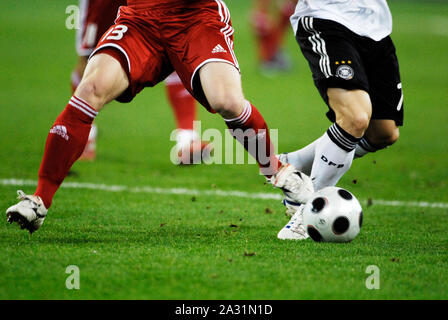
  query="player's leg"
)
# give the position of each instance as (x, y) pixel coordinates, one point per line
(182, 103)
(383, 105)
(125, 60)
(335, 150)
(387, 104)
(270, 25)
(330, 156)
(263, 30)
(212, 76)
(303, 158)
(342, 82)
(221, 84)
(103, 81)
(87, 37)
(380, 134)
(387, 98)
(341, 78)
(353, 111)
(89, 152)
(188, 143)
(286, 9)
(95, 18)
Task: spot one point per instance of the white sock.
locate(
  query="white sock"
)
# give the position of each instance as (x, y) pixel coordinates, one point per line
(364, 147)
(302, 159)
(93, 132)
(334, 154)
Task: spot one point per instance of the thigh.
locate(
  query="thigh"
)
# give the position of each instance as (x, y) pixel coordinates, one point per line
(385, 83)
(104, 79)
(206, 36)
(221, 84)
(133, 40)
(348, 103)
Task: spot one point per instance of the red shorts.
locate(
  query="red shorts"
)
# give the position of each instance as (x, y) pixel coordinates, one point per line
(151, 44)
(96, 16)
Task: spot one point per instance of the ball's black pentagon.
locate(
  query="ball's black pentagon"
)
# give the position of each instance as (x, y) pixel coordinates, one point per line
(360, 220)
(340, 225)
(345, 194)
(318, 204)
(314, 234)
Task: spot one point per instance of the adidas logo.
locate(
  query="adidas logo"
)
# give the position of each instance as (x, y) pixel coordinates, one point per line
(60, 131)
(218, 48)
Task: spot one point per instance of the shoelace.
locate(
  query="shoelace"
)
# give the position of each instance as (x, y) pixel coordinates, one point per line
(300, 229)
(36, 204)
(275, 178)
(21, 195)
(297, 225)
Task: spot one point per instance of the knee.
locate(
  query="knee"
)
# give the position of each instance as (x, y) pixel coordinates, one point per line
(358, 122)
(227, 105)
(385, 139)
(95, 92)
(355, 123)
(353, 110)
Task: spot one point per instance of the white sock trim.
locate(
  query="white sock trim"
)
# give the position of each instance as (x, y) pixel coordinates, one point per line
(244, 116)
(83, 106)
(341, 138)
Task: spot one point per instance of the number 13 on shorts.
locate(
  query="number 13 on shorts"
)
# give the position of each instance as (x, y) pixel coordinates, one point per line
(115, 33)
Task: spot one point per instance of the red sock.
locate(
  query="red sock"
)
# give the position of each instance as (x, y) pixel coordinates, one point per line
(183, 104)
(270, 33)
(254, 136)
(284, 23)
(65, 143)
(266, 35)
(286, 12)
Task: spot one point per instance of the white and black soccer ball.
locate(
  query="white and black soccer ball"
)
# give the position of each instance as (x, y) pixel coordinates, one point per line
(332, 215)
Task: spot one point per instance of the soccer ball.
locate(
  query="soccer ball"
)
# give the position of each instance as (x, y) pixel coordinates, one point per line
(332, 215)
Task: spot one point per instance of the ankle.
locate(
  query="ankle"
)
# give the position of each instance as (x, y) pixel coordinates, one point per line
(46, 190)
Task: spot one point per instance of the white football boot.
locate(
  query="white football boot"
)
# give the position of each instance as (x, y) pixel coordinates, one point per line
(296, 186)
(29, 213)
(291, 206)
(294, 229)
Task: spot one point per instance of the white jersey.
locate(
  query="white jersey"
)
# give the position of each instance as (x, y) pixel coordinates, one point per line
(369, 18)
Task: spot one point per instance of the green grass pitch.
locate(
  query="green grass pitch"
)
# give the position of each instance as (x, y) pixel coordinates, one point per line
(163, 246)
